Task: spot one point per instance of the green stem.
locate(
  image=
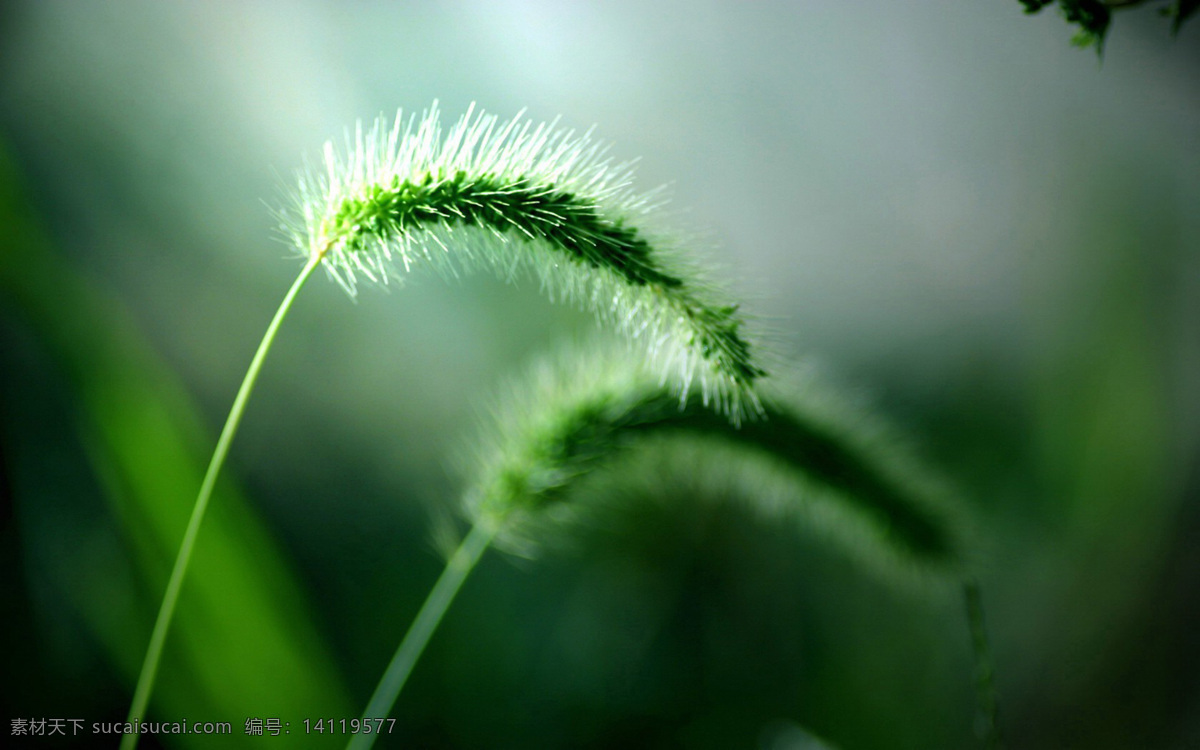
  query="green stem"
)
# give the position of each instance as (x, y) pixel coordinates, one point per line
(456, 571)
(145, 684)
(985, 680)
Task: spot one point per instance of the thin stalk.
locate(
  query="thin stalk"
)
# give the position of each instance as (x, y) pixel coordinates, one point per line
(456, 571)
(145, 684)
(985, 679)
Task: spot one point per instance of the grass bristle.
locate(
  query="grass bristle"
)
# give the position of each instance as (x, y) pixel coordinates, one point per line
(808, 457)
(517, 198)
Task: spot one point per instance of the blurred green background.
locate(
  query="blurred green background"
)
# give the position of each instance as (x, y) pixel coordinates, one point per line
(983, 232)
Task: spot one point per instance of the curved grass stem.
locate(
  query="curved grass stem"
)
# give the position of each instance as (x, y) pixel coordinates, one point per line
(158, 637)
(456, 571)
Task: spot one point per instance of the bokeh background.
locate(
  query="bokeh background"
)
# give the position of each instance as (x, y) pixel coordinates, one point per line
(988, 236)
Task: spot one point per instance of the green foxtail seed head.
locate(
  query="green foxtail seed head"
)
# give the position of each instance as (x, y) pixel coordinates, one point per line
(514, 197)
(809, 458)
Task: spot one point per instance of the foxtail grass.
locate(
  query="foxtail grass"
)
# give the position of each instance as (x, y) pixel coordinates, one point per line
(510, 197)
(585, 411)
(516, 198)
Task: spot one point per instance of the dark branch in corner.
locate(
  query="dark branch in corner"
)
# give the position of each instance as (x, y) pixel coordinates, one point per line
(1095, 16)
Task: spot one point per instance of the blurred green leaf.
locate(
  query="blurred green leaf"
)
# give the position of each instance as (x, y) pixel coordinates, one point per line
(243, 644)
